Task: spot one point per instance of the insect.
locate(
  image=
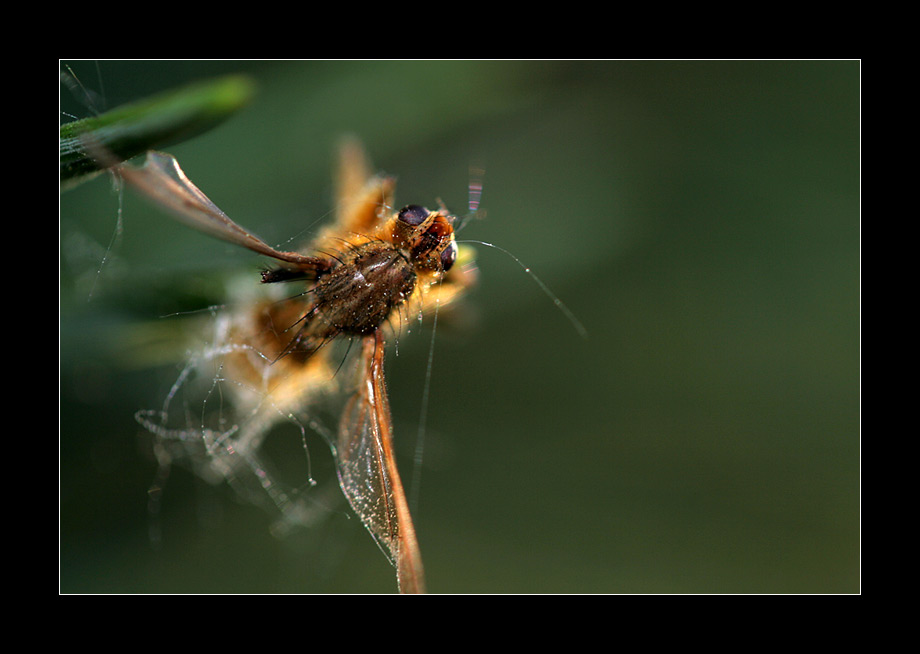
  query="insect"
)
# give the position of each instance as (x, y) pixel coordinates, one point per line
(359, 281)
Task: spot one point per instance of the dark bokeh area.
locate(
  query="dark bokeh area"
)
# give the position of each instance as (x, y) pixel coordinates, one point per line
(701, 219)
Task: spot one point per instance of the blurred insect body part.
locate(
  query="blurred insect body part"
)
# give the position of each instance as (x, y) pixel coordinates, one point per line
(271, 356)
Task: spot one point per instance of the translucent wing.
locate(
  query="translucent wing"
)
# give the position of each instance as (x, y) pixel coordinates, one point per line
(367, 469)
(363, 201)
(352, 173)
(163, 181)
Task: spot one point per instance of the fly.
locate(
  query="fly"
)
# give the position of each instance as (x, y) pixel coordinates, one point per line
(361, 277)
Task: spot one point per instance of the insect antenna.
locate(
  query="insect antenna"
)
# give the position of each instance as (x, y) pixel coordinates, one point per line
(477, 173)
(576, 323)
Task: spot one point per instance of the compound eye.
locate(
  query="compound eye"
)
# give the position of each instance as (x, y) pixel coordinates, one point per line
(413, 215)
(448, 256)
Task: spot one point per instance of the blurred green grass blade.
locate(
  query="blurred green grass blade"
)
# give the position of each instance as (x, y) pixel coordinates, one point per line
(155, 122)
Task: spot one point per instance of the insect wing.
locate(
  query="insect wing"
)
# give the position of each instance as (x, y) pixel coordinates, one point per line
(367, 468)
(162, 180)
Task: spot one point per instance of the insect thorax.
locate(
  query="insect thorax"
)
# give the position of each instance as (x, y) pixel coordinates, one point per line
(358, 295)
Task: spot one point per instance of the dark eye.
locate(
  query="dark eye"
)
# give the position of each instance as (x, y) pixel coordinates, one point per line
(448, 256)
(413, 215)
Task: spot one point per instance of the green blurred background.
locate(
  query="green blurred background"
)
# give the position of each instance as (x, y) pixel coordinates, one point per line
(700, 218)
